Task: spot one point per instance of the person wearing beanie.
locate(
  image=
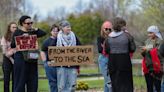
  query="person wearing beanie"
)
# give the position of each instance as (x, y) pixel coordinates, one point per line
(65, 23)
(67, 75)
(25, 68)
(106, 28)
(151, 63)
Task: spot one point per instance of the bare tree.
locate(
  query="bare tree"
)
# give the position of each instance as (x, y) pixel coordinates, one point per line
(112, 8)
(59, 13)
(26, 7)
(153, 10)
(10, 11)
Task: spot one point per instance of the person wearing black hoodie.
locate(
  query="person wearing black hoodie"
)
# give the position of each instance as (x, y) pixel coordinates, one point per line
(25, 71)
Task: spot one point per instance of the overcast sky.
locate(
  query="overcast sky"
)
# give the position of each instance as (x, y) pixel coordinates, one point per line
(45, 6)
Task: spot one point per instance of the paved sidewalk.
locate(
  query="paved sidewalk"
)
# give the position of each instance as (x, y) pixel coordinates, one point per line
(90, 79)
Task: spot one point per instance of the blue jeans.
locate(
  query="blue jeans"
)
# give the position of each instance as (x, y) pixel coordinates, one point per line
(103, 65)
(51, 74)
(162, 86)
(66, 79)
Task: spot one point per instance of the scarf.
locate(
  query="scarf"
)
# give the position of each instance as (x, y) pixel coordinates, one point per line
(66, 40)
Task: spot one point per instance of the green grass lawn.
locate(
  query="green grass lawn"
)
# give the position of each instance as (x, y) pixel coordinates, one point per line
(95, 83)
(83, 70)
(139, 82)
(43, 86)
(41, 70)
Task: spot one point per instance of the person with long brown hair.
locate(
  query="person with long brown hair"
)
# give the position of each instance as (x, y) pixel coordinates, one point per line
(8, 61)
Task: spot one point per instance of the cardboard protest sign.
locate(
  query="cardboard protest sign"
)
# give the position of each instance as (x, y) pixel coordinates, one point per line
(26, 42)
(68, 56)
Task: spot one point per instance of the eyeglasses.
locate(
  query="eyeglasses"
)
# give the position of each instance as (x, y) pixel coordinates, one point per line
(28, 23)
(108, 29)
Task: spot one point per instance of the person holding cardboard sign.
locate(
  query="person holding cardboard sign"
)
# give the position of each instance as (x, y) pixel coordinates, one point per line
(51, 72)
(66, 75)
(25, 61)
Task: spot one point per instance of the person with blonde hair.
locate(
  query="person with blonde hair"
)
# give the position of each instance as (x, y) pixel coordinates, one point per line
(106, 28)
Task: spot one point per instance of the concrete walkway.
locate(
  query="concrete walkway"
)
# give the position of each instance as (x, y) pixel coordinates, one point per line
(90, 79)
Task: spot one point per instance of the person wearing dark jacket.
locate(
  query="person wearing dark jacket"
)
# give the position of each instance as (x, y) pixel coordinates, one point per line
(119, 45)
(161, 53)
(103, 57)
(51, 71)
(25, 71)
(151, 63)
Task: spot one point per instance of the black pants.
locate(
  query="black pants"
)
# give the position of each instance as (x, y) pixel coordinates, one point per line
(25, 75)
(120, 70)
(153, 82)
(122, 81)
(7, 68)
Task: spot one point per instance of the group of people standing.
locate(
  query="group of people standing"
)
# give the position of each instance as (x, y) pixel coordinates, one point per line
(115, 46)
(61, 78)
(25, 71)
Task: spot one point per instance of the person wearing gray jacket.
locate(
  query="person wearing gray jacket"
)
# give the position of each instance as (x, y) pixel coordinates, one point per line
(119, 45)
